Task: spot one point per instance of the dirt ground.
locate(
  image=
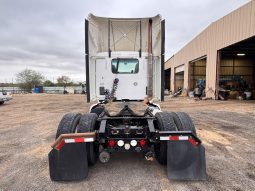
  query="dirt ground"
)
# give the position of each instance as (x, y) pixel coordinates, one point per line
(28, 124)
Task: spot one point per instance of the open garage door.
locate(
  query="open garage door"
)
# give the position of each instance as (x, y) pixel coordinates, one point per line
(178, 78)
(197, 73)
(237, 70)
(167, 79)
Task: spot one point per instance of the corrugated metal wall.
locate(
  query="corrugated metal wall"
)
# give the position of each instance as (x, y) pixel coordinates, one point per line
(234, 27)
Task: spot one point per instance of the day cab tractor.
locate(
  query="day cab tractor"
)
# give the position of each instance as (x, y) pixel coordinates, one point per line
(125, 71)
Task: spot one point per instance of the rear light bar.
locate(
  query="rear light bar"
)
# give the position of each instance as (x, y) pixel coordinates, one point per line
(73, 138)
(91, 137)
(180, 138)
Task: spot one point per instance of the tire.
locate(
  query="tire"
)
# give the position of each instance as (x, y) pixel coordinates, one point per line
(68, 124)
(87, 124)
(165, 123)
(183, 122)
(1, 102)
(97, 110)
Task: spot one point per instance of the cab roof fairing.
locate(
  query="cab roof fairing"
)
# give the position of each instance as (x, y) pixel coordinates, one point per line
(123, 34)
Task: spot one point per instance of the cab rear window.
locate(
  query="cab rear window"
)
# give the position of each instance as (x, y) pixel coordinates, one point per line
(125, 66)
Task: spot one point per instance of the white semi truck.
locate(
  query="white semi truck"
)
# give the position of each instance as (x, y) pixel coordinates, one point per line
(125, 65)
(131, 50)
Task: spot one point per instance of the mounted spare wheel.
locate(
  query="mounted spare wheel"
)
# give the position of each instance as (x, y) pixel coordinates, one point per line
(165, 123)
(87, 124)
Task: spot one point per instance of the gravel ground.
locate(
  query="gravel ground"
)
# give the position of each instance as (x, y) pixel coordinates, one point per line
(28, 124)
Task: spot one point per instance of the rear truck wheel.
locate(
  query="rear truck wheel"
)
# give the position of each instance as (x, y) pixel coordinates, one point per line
(68, 124)
(165, 123)
(1, 102)
(87, 124)
(184, 160)
(184, 122)
(97, 110)
(70, 161)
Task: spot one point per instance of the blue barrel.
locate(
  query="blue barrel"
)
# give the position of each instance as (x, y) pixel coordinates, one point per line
(37, 90)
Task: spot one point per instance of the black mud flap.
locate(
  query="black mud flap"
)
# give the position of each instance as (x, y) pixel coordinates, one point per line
(185, 161)
(70, 163)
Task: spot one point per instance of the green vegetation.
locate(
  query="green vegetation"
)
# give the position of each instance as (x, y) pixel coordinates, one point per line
(28, 79)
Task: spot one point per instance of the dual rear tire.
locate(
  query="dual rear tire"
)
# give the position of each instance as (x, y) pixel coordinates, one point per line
(183, 122)
(75, 122)
(68, 124)
(165, 123)
(178, 121)
(87, 124)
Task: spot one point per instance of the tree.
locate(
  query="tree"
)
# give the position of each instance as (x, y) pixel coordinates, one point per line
(28, 78)
(48, 83)
(63, 81)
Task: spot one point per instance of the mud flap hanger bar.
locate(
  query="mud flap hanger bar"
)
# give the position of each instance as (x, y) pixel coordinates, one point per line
(73, 138)
(91, 137)
(179, 136)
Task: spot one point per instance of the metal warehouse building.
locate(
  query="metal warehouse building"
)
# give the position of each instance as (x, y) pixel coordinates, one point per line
(223, 55)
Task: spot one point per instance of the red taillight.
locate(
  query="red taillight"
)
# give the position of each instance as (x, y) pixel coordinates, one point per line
(142, 142)
(111, 143)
